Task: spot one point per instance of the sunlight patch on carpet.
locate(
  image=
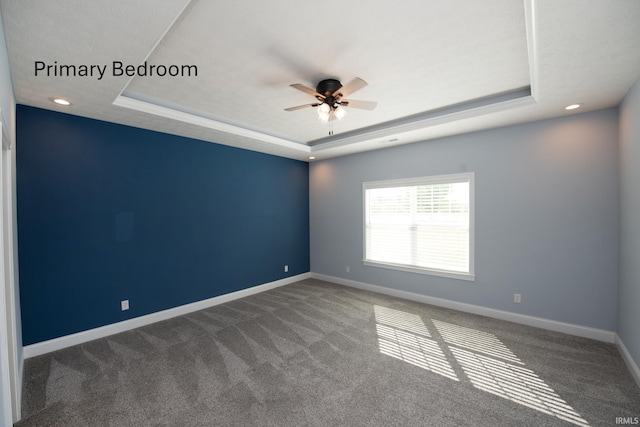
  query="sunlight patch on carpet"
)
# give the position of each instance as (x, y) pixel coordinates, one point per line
(489, 365)
(474, 340)
(404, 336)
(515, 383)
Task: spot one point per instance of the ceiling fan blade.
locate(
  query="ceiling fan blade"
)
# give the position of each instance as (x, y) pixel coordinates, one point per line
(300, 107)
(349, 88)
(307, 90)
(362, 105)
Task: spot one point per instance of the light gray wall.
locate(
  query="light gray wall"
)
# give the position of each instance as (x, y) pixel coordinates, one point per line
(8, 107)
(546, 216)
(629, 288)
(7, 99)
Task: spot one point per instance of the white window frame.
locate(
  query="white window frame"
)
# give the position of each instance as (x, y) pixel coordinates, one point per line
(425, 180)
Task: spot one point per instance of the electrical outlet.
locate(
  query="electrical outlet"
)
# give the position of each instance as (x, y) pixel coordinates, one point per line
(286, 268)
(124, 305)
(348, 269)
(517, 298)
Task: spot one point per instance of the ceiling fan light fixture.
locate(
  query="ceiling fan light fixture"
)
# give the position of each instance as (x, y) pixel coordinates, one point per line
(323, 117)
(339, 112)
(324, 108)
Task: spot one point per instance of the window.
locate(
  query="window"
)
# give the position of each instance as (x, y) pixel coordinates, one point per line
(423, 225)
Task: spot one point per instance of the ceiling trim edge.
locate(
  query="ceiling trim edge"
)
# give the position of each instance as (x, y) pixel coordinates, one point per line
(469, 113)
(157, 43)
(531, 24)
(170, 113)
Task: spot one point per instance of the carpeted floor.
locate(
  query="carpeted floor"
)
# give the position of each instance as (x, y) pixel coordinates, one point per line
(318, 354)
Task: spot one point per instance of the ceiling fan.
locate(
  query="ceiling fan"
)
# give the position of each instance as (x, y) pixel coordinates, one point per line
(330, 94)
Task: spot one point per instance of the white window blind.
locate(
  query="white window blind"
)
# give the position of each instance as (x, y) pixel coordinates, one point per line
(421, 224)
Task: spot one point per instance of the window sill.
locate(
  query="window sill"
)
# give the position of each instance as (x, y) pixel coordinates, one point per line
(431, 272)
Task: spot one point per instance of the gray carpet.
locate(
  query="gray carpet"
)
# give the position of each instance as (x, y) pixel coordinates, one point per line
(318, 354)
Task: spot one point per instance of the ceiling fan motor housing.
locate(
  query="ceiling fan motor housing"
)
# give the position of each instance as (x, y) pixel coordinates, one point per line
(327, 88)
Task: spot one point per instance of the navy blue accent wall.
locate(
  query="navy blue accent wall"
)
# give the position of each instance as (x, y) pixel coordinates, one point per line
(109, 212)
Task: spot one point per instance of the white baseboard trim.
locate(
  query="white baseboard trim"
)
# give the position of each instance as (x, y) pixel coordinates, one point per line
(115, 328)
(538, 322)
(626, 356)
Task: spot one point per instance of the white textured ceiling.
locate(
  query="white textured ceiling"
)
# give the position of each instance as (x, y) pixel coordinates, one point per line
(435, 68)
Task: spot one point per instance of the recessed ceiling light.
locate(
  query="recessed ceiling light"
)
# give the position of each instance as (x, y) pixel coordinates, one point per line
(311, 157)
(572, 107)
(60, 101)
